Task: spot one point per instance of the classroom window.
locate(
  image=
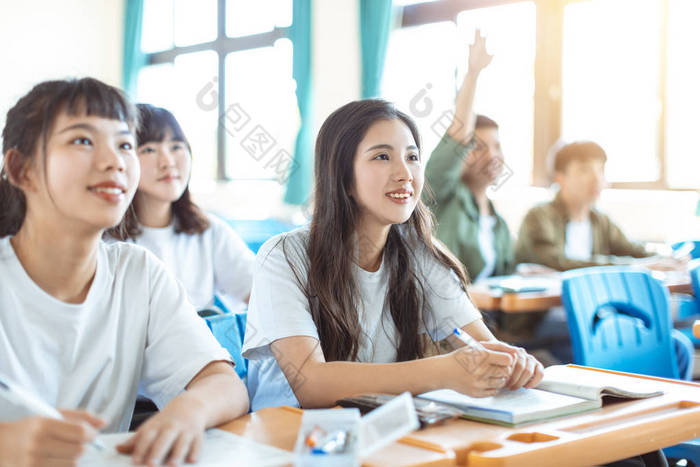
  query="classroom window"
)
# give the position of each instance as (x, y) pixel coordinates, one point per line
(211, 58)
(683, 94)
(610, 83)
(428, 61)
(622, 73)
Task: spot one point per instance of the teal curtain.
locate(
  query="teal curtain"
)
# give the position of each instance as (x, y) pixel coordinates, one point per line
(134, 58)
(375, 27)
(301, 171)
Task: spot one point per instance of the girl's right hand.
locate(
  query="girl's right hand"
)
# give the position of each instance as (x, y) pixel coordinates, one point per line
(38, 441)
(477, 371)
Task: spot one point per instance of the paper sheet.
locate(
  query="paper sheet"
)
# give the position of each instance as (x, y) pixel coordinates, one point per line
(221, 448)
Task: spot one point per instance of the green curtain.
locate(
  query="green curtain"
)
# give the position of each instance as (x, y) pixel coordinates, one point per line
(134, 58)
(375, 27)
(301, 171)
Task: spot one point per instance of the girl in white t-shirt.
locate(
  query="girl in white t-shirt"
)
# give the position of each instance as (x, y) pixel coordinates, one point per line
(203, 252)
(84, 324)
(339, 308)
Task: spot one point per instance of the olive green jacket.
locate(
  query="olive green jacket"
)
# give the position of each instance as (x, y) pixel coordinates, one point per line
(542, 239)
(457, 213)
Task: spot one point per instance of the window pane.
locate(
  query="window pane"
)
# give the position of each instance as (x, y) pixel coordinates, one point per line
(188, 89)
(151, 85)
(419, 76)
(244, 17)
(195, 107)
(683, 94)
(260, 103)
(610, 83)
(195, 22)
(157, 31)
(506, 87)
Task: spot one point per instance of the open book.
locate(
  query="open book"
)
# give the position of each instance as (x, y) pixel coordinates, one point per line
(563, 391)
(221, 449)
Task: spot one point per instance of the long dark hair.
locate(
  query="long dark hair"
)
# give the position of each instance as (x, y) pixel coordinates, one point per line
(189, 219)
(330, 287)
(29, 122)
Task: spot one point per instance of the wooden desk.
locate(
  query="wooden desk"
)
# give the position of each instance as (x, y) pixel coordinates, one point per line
(618, 430)
(278, 427)
(486, 298)
(696, 328)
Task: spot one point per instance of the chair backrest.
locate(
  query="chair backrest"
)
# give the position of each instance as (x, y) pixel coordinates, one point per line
(619, 320)
(257, 232)
(695, 252)
(695, 282)
(226, 329)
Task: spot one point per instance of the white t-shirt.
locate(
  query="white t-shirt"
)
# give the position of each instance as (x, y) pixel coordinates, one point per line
(579, 240)
(278, 309)
(214, 261)
(135, 326)
(487, 246)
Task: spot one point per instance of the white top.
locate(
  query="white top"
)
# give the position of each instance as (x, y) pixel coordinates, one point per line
(579, 240)
(216, 261)
(487, 245)
(278, 309)
(135, 325)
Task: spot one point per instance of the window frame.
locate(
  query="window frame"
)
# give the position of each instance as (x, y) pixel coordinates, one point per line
(549, 33)
(222, 45)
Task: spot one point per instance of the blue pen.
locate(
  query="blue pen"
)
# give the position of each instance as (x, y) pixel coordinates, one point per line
(463, 336)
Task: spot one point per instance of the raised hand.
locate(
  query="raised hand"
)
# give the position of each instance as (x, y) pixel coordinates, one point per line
(478, 57)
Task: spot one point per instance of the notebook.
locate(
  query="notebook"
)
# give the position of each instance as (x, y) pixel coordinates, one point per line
(563, 391)
(221, 449)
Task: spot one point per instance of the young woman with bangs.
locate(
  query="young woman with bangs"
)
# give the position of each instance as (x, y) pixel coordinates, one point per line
(85, 324)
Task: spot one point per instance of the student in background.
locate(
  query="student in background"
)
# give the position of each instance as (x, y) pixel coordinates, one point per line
(84, 324)
(569, 232)
(339, 308)
(466, 161)
(203, 252)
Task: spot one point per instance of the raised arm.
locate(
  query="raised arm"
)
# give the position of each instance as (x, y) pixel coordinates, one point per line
(463, 123)
(443, 170)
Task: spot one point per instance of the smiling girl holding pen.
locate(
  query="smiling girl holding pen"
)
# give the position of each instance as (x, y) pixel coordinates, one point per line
(83, 324)
(340, 308)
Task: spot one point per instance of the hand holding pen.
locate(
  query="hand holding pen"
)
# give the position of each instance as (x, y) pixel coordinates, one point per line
(526, 371)
(476, 370)
(51, 437)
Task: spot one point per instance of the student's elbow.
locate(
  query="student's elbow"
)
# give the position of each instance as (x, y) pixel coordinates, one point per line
(309, 388)
(241, 397)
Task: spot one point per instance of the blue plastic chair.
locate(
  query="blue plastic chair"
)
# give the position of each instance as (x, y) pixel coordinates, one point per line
(226, 329)
(257, 232)
(688, 308)
(619, 319)
(695, 253)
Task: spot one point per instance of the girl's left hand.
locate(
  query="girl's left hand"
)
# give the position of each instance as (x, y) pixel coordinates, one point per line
(527, 371)
(173, 435)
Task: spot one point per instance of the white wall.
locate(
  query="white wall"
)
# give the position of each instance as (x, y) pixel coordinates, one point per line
(48, 39)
